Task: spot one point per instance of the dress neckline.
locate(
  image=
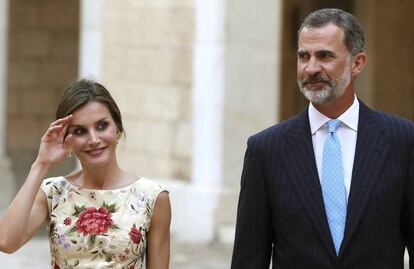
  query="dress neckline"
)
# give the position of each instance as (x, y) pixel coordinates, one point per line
(101, 190)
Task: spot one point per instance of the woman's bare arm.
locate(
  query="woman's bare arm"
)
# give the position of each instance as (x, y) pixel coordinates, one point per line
(158, 249)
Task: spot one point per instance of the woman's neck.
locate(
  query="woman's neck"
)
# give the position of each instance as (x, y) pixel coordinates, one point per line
(107, 177)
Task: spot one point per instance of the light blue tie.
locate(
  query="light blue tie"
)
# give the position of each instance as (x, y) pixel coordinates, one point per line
(333, 187)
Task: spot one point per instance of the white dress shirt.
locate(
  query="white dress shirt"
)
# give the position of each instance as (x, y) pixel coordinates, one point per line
(347, 133)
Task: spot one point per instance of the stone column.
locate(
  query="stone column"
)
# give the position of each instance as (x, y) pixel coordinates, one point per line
(235, 94)
(251, 95)
(90, 42)
(91, 32)
(7, 179)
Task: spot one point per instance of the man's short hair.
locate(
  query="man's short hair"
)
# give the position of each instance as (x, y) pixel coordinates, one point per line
(354, 35)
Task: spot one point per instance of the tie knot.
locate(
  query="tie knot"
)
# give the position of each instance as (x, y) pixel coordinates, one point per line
(333, 125)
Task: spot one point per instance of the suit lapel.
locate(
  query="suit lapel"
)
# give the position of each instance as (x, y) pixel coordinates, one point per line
(370, 153)
(299, 160)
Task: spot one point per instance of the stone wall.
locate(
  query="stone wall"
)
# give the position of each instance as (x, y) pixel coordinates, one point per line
(147, 63)
(390, 47)
(42, 60)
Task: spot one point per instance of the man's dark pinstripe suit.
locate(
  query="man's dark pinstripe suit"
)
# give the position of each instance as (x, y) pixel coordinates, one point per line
(281, 210)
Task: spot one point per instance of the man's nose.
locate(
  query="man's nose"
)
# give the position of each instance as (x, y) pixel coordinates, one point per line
(313, 67)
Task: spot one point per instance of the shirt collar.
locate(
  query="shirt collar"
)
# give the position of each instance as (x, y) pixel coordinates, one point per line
(349, 117)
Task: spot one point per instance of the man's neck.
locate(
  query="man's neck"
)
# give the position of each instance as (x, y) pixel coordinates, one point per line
(337, 107)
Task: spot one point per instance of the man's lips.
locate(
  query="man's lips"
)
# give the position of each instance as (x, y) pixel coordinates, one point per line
(314, 82)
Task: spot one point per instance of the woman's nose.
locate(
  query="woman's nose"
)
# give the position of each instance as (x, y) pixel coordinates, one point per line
(93, 138)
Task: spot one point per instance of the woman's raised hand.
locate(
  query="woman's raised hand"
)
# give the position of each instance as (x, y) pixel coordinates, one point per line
(54, 144)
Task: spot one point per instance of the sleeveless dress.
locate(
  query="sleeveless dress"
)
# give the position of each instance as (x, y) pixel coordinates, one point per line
(92, 229)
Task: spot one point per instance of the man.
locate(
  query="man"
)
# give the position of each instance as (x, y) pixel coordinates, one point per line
(332, 187)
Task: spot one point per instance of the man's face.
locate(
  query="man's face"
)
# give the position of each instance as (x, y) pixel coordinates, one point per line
(324, 64)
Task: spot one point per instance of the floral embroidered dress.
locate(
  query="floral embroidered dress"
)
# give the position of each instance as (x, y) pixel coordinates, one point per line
(91, 229)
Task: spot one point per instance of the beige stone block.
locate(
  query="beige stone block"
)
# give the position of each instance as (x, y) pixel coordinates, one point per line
(59, 14)
(150, 136)
(24, 16)
(116, 4)
(24, 133)
(183, 66)
(143, 27)
(65, 45)
(145, 164)
(181, 168)
(161, 103)
(36, 102)
(22, 73)
(130, 102)
(149, 65)
(185, 107)
(182, 146)
(181, 25)
(152, 64)
(12, 103)
(113, 62)
(184, 3)
(58, 72)
(33, 43)
(150, 26)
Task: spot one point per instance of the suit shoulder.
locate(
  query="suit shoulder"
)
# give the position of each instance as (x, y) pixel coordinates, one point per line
(273, 130)
(273, 135)
(397, 123)
(399, 131)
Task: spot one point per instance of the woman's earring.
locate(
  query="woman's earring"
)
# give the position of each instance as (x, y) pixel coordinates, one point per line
(69, 153)
(118, 136)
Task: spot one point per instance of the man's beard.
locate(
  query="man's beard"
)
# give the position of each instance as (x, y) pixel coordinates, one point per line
(332, 89)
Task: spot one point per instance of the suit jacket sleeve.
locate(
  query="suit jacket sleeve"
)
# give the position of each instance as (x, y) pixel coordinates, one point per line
(253, 239)
(409, 212)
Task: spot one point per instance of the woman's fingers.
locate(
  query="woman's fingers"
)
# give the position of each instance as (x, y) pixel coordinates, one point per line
(59, 126)
(62, 121)
(68, 140)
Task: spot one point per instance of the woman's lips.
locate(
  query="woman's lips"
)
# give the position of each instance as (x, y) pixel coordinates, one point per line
(95, 152)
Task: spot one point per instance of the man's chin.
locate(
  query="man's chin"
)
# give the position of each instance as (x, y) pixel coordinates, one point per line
(319, 97)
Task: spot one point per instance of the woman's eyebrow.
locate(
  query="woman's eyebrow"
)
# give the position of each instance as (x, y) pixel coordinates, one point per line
(82, 126)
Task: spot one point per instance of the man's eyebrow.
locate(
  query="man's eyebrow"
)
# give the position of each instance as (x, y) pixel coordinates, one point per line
(302, 52)
(326, 52)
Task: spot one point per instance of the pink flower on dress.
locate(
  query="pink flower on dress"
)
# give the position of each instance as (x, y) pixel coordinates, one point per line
(93, 221)
(67, 221)
(135, 235)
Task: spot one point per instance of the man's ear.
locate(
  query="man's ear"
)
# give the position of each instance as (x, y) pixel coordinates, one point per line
(358, 63)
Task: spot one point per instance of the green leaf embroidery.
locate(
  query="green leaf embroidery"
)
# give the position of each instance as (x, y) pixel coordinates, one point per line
(110, 208)
(114, 226)
(52, 227)
(78, 210)
(72, 229)
(92, 241)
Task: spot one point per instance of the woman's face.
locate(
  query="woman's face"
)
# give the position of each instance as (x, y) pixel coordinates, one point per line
(94, 135)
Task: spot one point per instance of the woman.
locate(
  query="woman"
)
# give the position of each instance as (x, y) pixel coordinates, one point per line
(99, 216)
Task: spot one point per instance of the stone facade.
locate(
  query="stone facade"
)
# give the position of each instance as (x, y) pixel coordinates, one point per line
(147, 65)
(42, 60)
